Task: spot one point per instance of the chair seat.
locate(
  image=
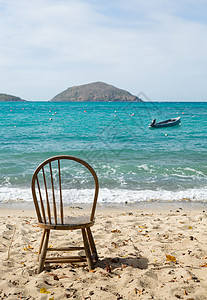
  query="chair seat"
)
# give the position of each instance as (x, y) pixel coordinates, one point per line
(69, 223)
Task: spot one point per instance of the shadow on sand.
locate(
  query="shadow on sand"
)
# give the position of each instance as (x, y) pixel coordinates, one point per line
(122, 262)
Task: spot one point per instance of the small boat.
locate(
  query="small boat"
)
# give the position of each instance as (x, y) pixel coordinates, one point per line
(166, 123)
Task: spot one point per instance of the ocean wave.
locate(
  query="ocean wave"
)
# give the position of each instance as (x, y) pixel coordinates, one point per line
(115, 196)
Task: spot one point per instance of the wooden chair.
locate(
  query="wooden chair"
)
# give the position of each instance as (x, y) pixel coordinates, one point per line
(47, 183)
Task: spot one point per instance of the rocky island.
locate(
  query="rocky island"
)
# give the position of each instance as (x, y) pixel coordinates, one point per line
(95, 92)
(10, 98)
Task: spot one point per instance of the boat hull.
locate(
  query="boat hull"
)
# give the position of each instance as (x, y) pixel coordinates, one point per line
(167, 123)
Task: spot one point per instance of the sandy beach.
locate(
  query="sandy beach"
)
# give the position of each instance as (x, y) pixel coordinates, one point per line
(144, 253)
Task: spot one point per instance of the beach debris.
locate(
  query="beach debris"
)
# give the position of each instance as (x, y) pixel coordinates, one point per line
(116, 231)
(44, 291)
(114, 244)
(55, 277)
(194, 278)
(170, 258)
(178, 296)
(92, 271)
(142, 227)
(140, 292)
(203, 266)
(108, 268)
(28, 248)
(10, 226)
(91, 293)
(123, 266)
(74, 207)
(46, 282)
(185, 292)
(12, 239)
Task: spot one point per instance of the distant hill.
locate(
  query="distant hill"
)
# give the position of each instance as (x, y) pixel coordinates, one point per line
(5, 97)
(95, 92)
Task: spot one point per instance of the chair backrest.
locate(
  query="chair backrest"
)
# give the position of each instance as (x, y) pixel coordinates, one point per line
(47, 188)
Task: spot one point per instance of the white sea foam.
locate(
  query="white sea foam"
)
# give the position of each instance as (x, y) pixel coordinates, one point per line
(143, 167)
(10, 195)
(121, 196)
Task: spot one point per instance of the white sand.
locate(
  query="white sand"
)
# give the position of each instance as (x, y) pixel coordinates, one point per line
(132, 245)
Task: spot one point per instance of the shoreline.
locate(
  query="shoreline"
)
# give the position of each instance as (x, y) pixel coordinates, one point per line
(153, 206)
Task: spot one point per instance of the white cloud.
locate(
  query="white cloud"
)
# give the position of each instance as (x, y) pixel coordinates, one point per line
(48, 45)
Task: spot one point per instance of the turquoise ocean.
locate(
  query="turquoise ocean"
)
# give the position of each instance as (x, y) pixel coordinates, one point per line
(133, 163)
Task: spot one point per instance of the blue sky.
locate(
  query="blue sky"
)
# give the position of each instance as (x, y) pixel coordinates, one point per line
(155, 47)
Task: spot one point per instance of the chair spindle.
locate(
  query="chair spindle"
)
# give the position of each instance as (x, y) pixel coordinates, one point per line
(47, 198)
(53, 195)
(41, 201)
(61, 198)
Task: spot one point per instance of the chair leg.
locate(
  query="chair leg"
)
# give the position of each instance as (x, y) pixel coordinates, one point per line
(92, 244)
(41, 243)
(87, 250)
(43, 251)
